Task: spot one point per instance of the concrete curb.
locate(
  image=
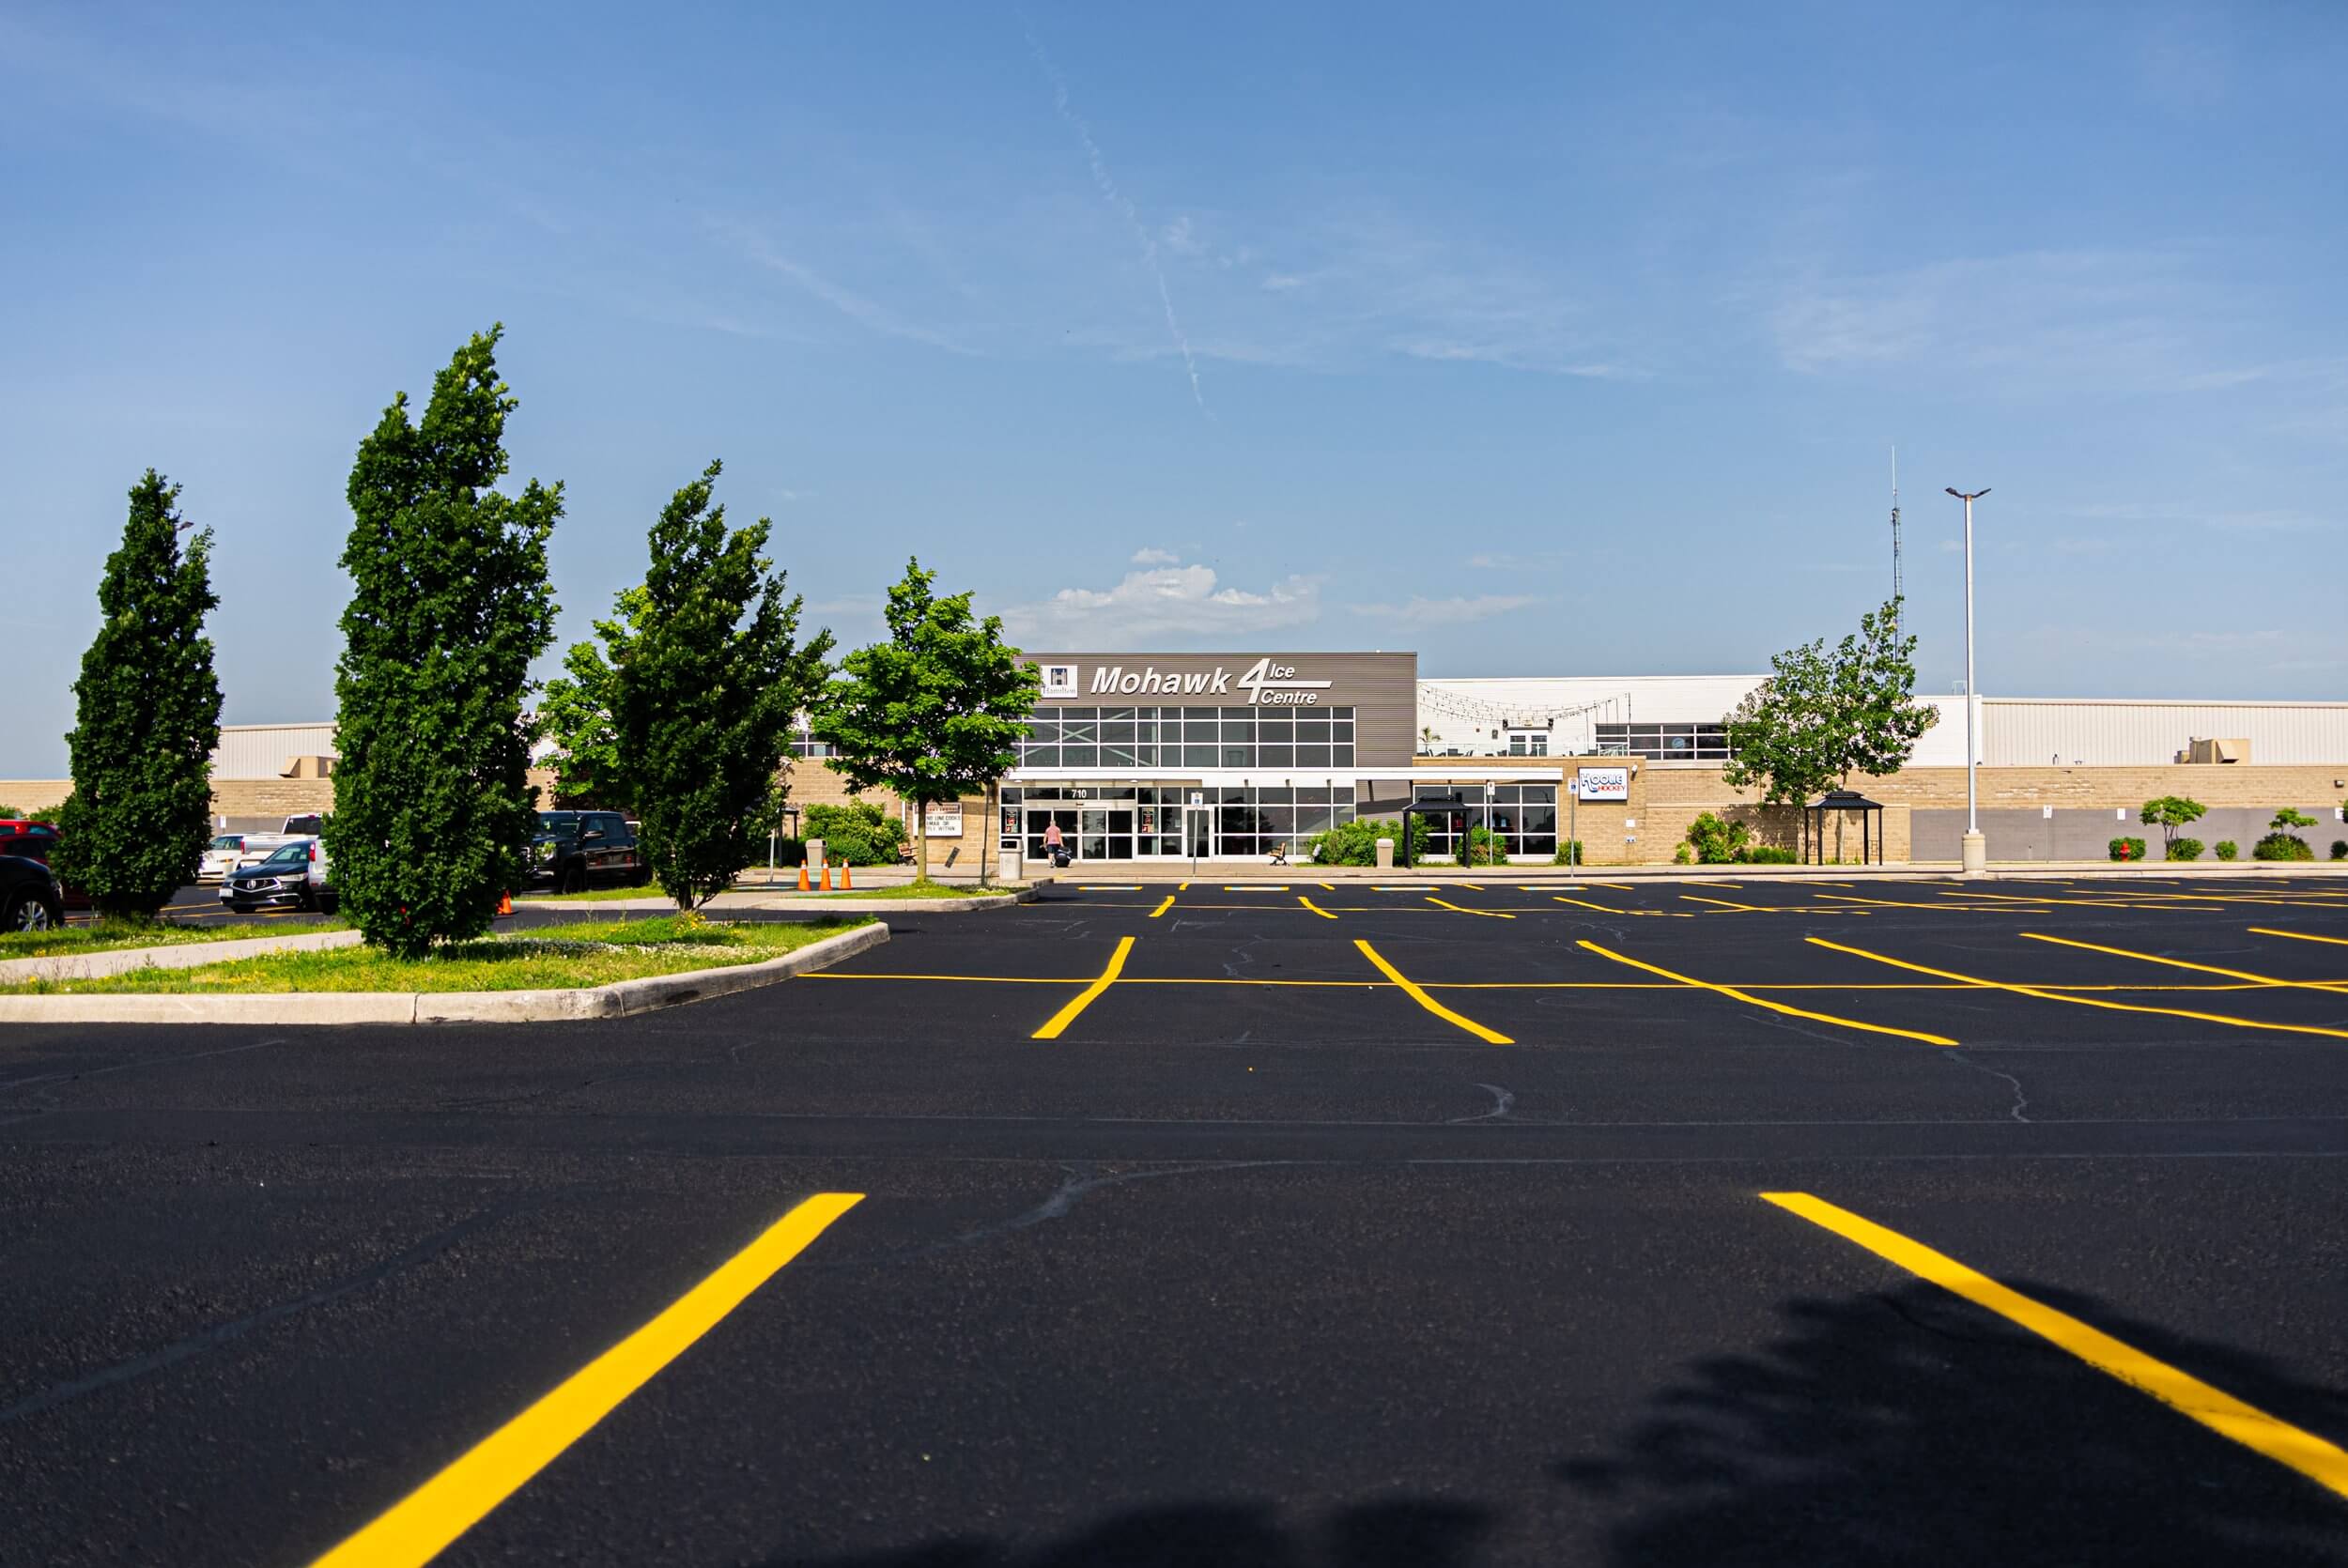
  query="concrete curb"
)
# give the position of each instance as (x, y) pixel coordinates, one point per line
(180, 955)
(621, 999)
(839, 905)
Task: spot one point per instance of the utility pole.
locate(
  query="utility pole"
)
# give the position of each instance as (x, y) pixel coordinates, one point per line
(1899, 589)
(1974, 857)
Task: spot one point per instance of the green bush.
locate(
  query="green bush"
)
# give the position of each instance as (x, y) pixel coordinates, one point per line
(857, 834)
(2282, 846)
(2339, 849)
(1480, 846)
(1355, 843)
(2228, 849)
(1768, 854)
(1717, 842)
(1571, 853)
(2127, 849)
(2185, 849)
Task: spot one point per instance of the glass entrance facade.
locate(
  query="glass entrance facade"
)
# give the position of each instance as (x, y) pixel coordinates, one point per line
(1522, 818)
(1143, 822)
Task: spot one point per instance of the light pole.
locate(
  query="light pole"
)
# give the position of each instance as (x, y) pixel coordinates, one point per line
(1974, 856)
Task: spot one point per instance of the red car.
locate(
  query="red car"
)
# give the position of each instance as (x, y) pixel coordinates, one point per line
(37, 840)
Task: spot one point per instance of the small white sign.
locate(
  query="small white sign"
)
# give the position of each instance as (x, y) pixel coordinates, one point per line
(1197, 798)
(943, 819)
(1604, 783)
(1060, 680)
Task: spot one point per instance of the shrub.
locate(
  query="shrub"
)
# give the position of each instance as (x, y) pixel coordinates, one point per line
(2282, 846)
(2228, 849)
(2170, 813)
(1571, 853)
(1478, 846)
(1355, 843)
(1683, 855)
(1768, 854)
(2127, 849)
(2339, 849)
(2185, 849)
(1717, 842)
(857, 834)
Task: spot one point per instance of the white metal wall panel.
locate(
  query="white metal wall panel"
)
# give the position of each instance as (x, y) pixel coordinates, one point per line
(2034, 732)
(1614, 700)
(260, 751)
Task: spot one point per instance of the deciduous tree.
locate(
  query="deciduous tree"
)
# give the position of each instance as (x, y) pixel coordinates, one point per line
(704, 691)
(576, 711)
(449, 604)
(147, 716)
(2170, 813)
(934, 712)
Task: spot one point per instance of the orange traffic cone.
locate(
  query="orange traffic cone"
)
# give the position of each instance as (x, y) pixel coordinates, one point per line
(505, 903)
(826, 876)
(847, 881)
(804, 886)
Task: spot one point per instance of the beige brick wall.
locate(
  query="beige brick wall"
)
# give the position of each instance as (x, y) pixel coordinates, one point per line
(34, 794)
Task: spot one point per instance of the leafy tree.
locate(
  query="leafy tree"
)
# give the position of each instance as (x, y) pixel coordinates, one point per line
(576, 711)
(147, 716)
(934, 712)
(449, 604)
(2170, 813)
(703, 694)
(2281, 842)
(1824, 715)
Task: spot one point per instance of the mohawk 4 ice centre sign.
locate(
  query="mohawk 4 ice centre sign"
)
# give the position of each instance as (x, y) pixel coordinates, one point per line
(1267, 684)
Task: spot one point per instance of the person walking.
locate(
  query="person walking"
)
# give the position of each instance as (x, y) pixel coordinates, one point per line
(1054, 850)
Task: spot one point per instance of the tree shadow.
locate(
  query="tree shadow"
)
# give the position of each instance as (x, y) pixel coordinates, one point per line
(1909, 1427)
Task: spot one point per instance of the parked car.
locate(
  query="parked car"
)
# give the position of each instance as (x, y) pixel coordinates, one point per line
(37, 840)
(30, 898)
(577, 850)
(296, 875)
(306, 825)
(221, 856)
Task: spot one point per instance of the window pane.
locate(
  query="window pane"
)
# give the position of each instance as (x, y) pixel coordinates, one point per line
(1271, 756)
(1311, 728)
(1200, 757)
(1080, 756)
(1239, 757)
(1119, 757)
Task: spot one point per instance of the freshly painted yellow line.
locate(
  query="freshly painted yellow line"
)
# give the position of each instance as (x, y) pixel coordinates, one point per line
(2300, 936)
(1749, 998)
(1722, 904)
(1181, 887)
(1314, 907)
(1504, 985)
(1585, 903)
(1256, 887)
(420, 1526)
(1490, 913)
(1328, 887)
(2087, 1001)
(1419, 995)
(1090, 993)
(1732, 886)
(2322, 1462)
(1382, 887)
(2083, 903)
(2333, 986)
(1618, 887)
(1163, 907)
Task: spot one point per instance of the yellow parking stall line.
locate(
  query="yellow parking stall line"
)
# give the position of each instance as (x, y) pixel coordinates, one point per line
(1109, 887)
(1495, 985)
(2333, 986)
(2000, 900)
(425, 1522)
(1163, 907)
(1489, 913)
(1749, 998)
(1618, 887)
(1383, 887)
(2086, 1001)
(1585, 903)
(1314, 907)
(1910, 903)
(1091, 994)
(1328, 887)
(2322, 1462)
(1419, 995)
(1181, 887)
(1721, 903)
(1732, 886)
(1255, 887)
(2300, 936)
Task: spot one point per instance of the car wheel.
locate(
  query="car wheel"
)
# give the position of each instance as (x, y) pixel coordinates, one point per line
(575, 877)
(29, 911)
(330, 903)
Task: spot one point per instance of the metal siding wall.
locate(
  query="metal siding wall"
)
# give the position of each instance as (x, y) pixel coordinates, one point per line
(260, 751)
(2029, 733)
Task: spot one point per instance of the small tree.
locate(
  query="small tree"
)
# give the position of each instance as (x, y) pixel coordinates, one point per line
(934, 712)
(2170, 813)
(703, 698)
(576, 711)
(449, 604)
(1823, 715)
(147, 716)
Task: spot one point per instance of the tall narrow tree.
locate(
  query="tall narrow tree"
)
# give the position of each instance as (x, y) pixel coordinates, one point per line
(935, 712)
(577, 712)
(147, 716)
(704, 692)
(449, 604)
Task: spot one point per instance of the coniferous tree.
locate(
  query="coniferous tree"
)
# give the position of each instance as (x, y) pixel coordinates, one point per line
(704, 691)
(577, 712)
(449, 604)
(146, 717)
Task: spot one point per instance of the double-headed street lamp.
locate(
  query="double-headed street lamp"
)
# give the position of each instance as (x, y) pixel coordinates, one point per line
(1975, 854)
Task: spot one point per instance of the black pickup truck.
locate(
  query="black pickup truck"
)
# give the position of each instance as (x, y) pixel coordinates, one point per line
(578, 850)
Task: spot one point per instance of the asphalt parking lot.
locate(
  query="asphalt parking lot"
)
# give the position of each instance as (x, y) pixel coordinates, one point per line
(1279, 1225)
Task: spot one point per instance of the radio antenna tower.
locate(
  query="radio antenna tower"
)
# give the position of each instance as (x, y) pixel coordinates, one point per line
(1898, 587)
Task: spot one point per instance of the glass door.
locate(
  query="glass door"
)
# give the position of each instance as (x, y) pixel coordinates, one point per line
(1198, 831)
(1042, 817)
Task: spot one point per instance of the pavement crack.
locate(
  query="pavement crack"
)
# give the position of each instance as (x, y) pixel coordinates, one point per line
(1503, 1101)
(2021, 1108)
(221, 1333)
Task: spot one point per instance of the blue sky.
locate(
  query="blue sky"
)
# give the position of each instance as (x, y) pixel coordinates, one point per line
(1539, 341)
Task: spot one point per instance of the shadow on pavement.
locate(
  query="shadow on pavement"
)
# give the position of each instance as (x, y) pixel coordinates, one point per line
(1907, 1427)
(1399, 1534)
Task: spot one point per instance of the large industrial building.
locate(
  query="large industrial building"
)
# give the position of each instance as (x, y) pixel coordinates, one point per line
(1158, 757)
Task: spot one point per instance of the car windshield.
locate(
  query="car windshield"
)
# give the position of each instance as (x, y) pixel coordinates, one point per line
(289, 854)
(558, 822)
(229, 842)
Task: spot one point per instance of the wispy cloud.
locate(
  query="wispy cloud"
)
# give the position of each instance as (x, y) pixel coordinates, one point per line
(1116, 198)
(1165, 604)
(1155, 558)
(1457, 610)
(867, 313)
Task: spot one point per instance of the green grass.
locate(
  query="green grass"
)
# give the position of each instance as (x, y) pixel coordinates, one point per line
(551, 958)
(111, 935)
(915, 890)
(595, 894)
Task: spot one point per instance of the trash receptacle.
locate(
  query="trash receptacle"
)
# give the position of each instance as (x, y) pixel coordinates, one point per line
(1011, 865)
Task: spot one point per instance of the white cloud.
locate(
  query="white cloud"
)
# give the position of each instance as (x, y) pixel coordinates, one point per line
(1163, 603)
(1455, 611)
(1179, 240)
(1156, 557)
